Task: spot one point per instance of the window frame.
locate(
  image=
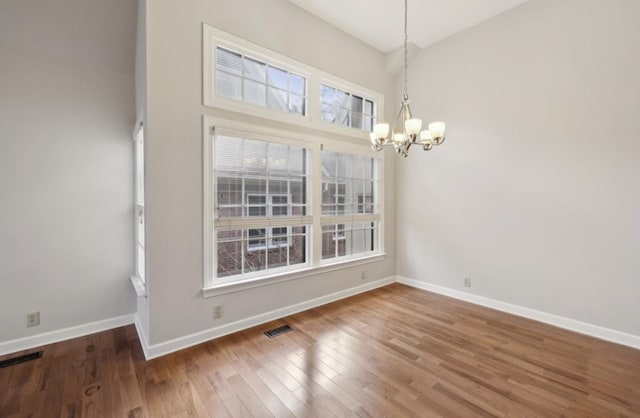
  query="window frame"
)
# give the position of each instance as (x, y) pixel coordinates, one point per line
(314, 219)
(139, 279)
(214, 38)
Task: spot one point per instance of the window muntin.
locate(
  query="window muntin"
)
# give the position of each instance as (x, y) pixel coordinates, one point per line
(253, 81)
(347, 109)
(248, 76)
(264, 183)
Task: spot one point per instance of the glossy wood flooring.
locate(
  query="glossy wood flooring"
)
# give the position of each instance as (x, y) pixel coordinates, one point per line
(395, 351)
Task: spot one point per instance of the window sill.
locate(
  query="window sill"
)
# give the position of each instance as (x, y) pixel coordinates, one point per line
(138, 285)
(221, 289)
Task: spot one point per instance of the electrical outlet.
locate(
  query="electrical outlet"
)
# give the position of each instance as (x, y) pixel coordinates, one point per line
(33, 319)
(467, 282)
(362, 275)
(218, 312)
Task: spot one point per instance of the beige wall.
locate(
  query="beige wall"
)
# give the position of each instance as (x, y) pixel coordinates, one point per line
(174, 153)
(66, 115)
(535, 194)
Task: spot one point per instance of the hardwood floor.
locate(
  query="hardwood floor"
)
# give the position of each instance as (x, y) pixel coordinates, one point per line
(395, 351)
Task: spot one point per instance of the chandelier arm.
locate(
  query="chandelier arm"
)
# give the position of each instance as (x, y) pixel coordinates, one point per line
(405, 130)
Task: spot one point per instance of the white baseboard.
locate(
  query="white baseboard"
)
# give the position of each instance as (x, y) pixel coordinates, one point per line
(556, 320)
(157, 350)
(51, 337)
(142, 337)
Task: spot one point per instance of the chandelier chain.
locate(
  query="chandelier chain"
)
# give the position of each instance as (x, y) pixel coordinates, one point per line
(406, 37)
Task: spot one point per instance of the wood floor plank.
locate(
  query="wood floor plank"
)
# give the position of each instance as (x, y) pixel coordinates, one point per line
(393, 352)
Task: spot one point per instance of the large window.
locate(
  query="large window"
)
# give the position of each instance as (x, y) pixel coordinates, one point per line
(349, 196)
(260, 205)
(280, 204)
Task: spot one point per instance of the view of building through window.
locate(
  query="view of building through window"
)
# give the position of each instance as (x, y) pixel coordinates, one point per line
(348, 188)
(262, 204)
(265, 184)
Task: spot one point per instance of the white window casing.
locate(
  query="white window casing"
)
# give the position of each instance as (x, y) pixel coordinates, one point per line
(312, 218)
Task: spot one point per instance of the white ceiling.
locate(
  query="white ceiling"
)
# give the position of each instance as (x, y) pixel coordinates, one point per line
(380, 23)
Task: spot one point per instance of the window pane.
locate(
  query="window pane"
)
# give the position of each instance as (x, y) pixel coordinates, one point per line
(368, 107)
(327, 95)
(298, 245)
(368, 124)
(255, 93)
(255, 259)
(329, 244)
(228, 85)
(348, 239)
(357, 167)
(343, 108)
(255, 70)
(297, 161)
(227, 153)
(277, 156)
(277, 99)
(228, 198)
(329, 164)
(343, 99)
(277, 187)
(229, 61)
(357, 120)
(342, 116)
(344, 165)
(278, 78)
(229, 253)
(254, 153)
(256, 186)
(296, 84)
(296, 104)
(356, 104)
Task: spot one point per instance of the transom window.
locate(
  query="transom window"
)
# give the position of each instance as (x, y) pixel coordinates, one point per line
(253, 81)
(347, 109)
(243, 77)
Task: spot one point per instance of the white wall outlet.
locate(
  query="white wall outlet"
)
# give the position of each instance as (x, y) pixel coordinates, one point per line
(33, 319)
(218, 312)
(467, 282)
(363, 276)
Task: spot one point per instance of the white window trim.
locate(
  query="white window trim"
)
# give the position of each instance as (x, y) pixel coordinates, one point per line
(212, 38)
(315, 145)
(139, 283)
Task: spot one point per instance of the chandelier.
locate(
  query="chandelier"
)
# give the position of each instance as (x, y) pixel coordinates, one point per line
(406, 130)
